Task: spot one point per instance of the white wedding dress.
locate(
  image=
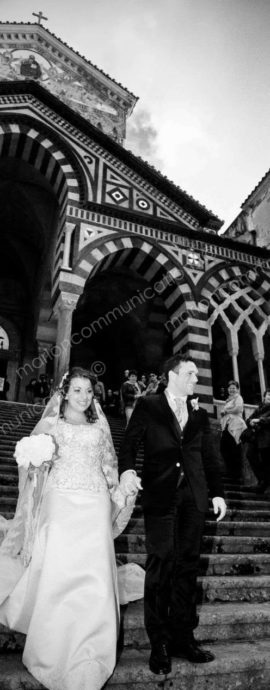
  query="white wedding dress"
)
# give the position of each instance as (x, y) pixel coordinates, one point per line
(66, 599)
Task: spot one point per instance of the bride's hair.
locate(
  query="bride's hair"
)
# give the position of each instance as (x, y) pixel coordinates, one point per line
(77, 372)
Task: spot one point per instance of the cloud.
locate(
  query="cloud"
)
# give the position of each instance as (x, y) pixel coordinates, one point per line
(142, 138)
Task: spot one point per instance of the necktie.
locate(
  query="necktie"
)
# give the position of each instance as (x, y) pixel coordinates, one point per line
(181, 412)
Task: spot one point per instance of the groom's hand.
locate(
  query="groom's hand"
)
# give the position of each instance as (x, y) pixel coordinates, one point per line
(130, 483)
(220, 507)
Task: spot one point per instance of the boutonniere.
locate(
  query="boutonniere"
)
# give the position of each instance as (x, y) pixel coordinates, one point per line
(195, 404)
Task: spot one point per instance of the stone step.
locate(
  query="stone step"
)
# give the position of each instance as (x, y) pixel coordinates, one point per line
(8, 490)
(8, 467)
(236, 544)
(262, 512)
(4, 453)
(133, 543)
(262, 503)
(241, 494)
(238, 665)
(7, 500)
(238, 527)
(218, 622)
(222, 588)
(244, 666)
(9, 479)
(24, 418)
(234, 589)
(215, 564)
(225, 527)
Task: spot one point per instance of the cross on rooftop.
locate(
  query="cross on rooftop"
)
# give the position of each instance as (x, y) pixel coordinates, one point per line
(40, 16)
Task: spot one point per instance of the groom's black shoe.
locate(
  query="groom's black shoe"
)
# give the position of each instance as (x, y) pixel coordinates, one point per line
(160, 660)
(192, 651)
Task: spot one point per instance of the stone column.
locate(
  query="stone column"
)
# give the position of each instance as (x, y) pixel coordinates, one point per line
(258, 351)
(69, 227)
(234, 354)
(63, 310)
(233, 349)
(261, 374)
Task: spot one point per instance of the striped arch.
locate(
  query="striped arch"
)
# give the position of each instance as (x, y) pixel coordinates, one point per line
(28, 143)
(184, 322)
(142, 257)
(36, 145)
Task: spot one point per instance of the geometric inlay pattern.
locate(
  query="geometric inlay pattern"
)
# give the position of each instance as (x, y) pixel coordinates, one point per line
(123, 192)
(117, 195)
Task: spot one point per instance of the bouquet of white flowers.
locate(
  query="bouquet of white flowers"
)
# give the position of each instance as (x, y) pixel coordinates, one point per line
(34, 451)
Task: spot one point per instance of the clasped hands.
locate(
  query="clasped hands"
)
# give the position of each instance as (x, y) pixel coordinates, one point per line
(130, 483)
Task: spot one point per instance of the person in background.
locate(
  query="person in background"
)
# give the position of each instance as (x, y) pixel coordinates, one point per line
(41, 390)
(258, 443)
(30, 390)
(130, 393)
(142, 383)
(152, 385)
(111, 404)
(121, 401)
(162, 384)
(232, 426)
(99, 391)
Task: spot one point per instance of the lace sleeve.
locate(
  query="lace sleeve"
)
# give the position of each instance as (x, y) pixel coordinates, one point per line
(122, 506)
(109, 458)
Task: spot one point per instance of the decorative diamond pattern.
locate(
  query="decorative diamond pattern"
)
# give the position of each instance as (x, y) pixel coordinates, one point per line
(117, 195)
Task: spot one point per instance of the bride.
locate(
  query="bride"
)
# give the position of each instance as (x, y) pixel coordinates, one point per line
(58, 580)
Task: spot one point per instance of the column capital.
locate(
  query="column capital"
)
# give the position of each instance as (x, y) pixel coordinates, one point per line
(69, 227)
(234, 351)
(66, 301)
(258, 356)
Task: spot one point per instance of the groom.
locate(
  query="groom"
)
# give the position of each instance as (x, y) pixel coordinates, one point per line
(180, 466)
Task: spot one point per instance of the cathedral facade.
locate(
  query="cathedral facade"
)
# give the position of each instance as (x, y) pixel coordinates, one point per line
(104, 261)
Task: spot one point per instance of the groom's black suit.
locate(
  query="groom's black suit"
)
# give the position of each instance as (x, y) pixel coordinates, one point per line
(178, 471)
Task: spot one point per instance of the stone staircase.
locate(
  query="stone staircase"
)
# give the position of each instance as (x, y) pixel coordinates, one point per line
(233, 591)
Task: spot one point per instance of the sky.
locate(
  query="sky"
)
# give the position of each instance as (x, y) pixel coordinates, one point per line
(201, 70)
